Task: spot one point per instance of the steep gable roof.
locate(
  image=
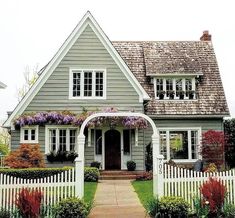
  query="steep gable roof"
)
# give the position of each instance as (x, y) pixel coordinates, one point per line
(88, 19)
(211, 101)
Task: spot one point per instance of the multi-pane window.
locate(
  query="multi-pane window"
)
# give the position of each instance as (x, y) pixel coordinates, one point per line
(29, 134)
(175, 88)
(62, 139)
(87, 84)
(179, 144)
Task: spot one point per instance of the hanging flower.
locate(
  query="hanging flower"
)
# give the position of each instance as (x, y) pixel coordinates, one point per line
(69, 118)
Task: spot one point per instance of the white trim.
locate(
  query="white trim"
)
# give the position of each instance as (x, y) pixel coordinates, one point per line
(89, 138)
(86, 20)
(188, 129)
(176, 74)
(136, 137)
(29, 128)
(73, 70)
(58, 127)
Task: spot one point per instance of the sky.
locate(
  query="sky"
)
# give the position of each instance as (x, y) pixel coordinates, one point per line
(31, 32)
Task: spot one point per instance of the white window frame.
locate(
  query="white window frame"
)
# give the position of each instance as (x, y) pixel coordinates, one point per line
(193, 80)
(29, 128)
(188, 129)
(57, 128)
(74, 70)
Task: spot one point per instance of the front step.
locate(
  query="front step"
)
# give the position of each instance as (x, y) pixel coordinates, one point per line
(119, 174)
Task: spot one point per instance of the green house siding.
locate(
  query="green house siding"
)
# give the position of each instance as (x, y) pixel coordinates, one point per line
(87, 53)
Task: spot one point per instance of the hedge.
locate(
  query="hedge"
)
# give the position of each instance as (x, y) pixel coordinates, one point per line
(91, 174)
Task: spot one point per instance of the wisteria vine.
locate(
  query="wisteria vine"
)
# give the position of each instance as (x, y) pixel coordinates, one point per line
(69, 118)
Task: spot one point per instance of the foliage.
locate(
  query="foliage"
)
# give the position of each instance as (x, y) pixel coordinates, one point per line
(61, 156)
(33, 173)
(144, 190)
(173, 206)
(145, 176)
(153, 207)
(95, 164)
(212, 148)
(200, 209)
(131, 165)
(71, 207)
(29, 203)
(149, 157)
(91, 174)
(229, 210)
(214, 192)
(211, 168)
(69, 118)
(4, 141)
(229, 131)
(5, 213)
(26, 156)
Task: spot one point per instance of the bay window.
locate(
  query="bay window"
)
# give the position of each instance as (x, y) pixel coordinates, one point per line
(180, 144)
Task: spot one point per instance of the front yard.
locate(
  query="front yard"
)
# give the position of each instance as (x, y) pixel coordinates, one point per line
(89, 191)
(144, 190)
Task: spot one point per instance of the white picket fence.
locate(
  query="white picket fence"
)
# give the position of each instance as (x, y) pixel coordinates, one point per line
(176, 181)
(54, 188)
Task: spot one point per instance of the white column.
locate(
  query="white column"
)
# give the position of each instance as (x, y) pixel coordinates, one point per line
(79, 177)
(155, 144)
(158, 177)
(79, 167)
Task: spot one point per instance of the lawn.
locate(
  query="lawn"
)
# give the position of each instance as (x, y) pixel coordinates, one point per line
(89, 191)
(144, 190)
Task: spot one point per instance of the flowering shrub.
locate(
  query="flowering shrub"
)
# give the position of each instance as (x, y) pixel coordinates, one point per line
(213, 193)
(29, 203)
(69, 118)
(212, 148)
(26, 156)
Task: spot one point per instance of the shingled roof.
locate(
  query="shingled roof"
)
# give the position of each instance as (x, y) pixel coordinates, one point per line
(146, 59)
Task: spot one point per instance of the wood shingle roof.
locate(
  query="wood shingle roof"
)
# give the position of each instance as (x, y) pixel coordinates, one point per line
(146, 59)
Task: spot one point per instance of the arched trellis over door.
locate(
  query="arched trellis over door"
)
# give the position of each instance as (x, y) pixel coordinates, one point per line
(81, 143)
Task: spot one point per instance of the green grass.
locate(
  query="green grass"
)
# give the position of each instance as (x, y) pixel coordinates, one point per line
(89, 191)
(144, 190)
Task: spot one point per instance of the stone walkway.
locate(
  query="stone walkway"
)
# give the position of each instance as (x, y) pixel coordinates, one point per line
(116, 199)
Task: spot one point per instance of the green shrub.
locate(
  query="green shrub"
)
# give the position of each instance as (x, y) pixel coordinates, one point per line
(71, 207)
(95, 164)
(153, 207)
(131, 165)
(173, 206)
(5, 213)
(91, 174)
(229, 210)
(33, 173)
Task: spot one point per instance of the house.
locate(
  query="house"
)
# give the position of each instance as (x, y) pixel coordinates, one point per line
(176, 83)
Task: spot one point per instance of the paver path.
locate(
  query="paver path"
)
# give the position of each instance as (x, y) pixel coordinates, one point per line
(116, 199)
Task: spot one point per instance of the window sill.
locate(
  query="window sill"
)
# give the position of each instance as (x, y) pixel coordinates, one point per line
(87, 98)
(176, 100)
(29, 142)
(183, 160)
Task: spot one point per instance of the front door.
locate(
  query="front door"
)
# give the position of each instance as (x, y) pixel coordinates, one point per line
(112, 150)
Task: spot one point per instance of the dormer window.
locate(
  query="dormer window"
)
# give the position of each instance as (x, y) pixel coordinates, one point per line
(175, 88)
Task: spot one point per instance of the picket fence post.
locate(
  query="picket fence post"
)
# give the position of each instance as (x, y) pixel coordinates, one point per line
(158, 176)
(79, 177)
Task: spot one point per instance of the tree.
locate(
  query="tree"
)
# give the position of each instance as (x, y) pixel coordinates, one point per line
(212, 149)
(30, 77)
(229, 130)
(4, 141)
